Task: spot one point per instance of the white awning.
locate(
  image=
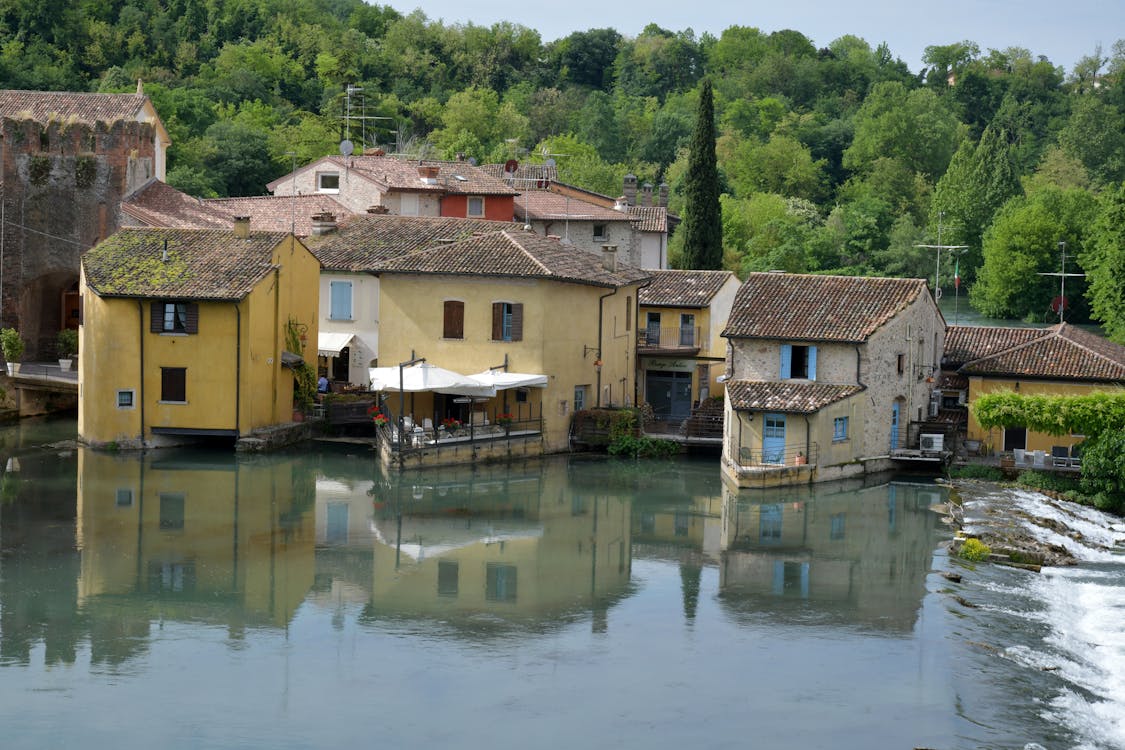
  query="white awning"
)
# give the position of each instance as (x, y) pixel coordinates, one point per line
(330, 344)
(502, 381)
(427, 377)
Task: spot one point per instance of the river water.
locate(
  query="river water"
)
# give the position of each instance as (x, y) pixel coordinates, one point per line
(203, 600)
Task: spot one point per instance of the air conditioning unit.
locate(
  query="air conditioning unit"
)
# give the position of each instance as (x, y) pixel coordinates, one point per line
(932, 442)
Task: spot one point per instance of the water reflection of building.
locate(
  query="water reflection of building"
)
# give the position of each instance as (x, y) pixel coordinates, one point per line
(862, 555)
(517, 545)
(228, 542)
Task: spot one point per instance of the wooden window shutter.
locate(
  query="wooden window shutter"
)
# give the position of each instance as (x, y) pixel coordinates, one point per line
(517, 321)
(454, 323)
(156, 324)
(497, 321)
(191, 323)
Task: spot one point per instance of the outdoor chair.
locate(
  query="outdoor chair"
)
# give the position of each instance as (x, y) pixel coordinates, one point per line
(1076, 455)
(1060, 455)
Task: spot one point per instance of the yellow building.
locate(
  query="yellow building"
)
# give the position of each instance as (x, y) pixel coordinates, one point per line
(1058, 361)
(679, 339)
(189, 333)
(518, 299)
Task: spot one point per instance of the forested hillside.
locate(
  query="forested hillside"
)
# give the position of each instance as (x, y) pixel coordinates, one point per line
(839, 158)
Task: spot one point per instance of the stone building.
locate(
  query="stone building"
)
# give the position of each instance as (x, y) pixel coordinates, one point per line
(66, 161)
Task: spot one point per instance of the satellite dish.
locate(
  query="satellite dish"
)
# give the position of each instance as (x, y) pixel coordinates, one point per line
(511, 166)
(346, 147)
(550, 162)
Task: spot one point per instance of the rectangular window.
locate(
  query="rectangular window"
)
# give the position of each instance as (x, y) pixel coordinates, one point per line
(687, 329)
(447, 575)
(580, 397)
(837, 530)
(798, 362)
(769, 524)
(476, 206)
(174, 317)
(901, 364)
(839, 429)
(340, 300)
(652, 329)
(507, 321)
(125, 399)
(171, 578)
(171, 511)
(453, 326)
(124, 497)
(173, 384)
(500, 582)
(628, 314)
(328, 182)
(600, 233)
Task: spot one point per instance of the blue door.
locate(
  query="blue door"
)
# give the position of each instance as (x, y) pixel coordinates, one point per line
(773, 439)
(894, 426)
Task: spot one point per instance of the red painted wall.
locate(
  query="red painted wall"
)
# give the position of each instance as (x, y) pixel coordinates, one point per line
(496, 207)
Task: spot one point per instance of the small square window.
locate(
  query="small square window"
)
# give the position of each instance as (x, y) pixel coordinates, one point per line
(328, 182)
(125, 399)
(476, 206)
(600, 233)
(124, 497)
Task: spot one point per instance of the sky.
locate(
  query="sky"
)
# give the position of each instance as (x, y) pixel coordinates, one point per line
(1061, 31)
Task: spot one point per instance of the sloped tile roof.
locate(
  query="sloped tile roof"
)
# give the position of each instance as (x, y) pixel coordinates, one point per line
(787, 396)
(518, 254)
(82, 107)
(364, 243)
(160, 205)
(683, 288)
(204, 264)
(526, 177)
(802, 307)
(650, 218)
(394, 174)
(1064, 352)
(541, 205)
(966, 343)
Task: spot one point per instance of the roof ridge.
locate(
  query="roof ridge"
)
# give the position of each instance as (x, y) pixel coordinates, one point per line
(1047, 333)
(1059, 333)
(525, 251)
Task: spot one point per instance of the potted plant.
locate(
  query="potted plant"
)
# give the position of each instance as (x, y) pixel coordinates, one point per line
(450, 424)
(12, 346)
(67, 345)
(505, 420)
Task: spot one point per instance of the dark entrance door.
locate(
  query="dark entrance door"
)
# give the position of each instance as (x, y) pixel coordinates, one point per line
(1015, 437)
(669, 394)
(340, 365)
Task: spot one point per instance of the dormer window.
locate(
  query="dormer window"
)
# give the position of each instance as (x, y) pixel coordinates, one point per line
(328, 182)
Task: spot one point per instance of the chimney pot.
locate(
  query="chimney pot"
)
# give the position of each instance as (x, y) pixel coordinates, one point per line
(323, 223)
(609, 258)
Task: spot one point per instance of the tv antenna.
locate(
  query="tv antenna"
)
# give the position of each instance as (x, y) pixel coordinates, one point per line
(355, 108)
(937, 266)
(1060, 302)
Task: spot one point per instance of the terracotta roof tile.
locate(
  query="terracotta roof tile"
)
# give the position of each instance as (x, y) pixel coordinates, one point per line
(788, 396)
(392, 173)
(650, 218)
(207, 264)
(82, 107)
(683, 288)
(966, 343)
(541, 205)
(517, 254)
(1064, 352)
(277, 213)
(364, 243)
(160, 205)
(526, 177)
(802, 307)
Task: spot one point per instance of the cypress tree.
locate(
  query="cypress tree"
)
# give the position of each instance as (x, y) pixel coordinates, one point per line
(703, 225)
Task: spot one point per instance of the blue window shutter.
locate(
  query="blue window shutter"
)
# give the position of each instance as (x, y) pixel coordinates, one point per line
(812, 363)
(786, 361)
(341, 292)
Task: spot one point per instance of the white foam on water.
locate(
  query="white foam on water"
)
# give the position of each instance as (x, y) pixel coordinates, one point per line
(1087, 620)
(1092, 524)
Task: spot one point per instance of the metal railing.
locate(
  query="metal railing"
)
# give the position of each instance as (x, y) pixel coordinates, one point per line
(418, 438)
(779, 458)
(678, 337)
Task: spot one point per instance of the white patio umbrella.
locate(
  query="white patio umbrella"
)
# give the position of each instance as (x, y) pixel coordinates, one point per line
(502, 381)
(427, 377)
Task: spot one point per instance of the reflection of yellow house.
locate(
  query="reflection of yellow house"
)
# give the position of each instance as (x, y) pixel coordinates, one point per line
(867, 551)
(184, 333)
(230, 543)
(517, 547)
(680, 343)
(518, 299)
(1058, 361)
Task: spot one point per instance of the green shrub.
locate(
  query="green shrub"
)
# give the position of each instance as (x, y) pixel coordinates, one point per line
(976, 471)
(1042, 480)
(642, 447)
(974, 550)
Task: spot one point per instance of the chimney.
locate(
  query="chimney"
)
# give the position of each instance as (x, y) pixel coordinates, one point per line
(630, 190)
(242, 227)
(428, 173)
(662, 197)
(646, 194)
(323, 223)
(379, 209)
(609, 258)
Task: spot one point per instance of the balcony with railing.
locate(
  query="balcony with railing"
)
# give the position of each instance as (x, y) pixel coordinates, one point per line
(774, 459)
(670, 340)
